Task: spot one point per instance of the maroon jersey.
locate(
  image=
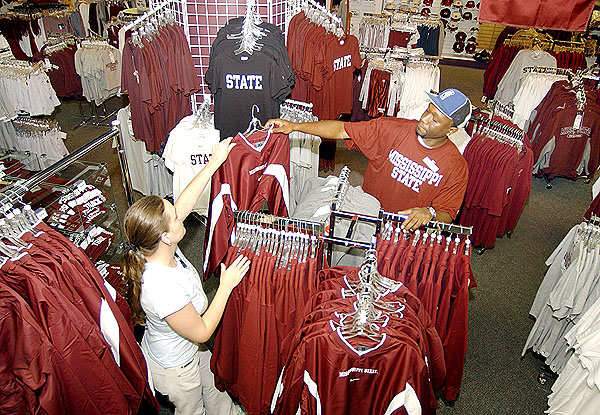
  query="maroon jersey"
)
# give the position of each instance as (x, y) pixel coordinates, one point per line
(329, 375)
(256, 171)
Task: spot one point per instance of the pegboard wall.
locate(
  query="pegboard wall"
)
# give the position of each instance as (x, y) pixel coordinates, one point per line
(202, 19)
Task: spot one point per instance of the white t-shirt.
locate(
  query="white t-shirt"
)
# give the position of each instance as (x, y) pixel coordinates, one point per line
(187, 151)
(166, 290)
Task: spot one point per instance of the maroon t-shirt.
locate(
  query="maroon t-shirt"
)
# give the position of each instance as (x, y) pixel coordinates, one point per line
(402, 173)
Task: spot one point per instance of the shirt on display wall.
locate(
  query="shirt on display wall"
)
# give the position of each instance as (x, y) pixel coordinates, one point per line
(570, 15)
(240, 81)
(461, 25)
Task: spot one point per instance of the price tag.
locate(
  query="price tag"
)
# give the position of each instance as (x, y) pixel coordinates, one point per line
(577, 121)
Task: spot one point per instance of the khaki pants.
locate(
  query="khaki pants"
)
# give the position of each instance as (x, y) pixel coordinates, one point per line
(191, 387)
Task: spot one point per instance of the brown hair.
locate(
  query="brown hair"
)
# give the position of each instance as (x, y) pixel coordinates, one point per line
(145, 222)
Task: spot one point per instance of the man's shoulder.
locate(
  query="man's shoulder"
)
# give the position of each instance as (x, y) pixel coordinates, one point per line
(394, 125)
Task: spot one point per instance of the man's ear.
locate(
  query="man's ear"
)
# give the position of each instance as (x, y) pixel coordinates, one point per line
(452, 130)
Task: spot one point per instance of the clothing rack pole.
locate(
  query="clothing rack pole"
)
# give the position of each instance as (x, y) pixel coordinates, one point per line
(349, 243)
(15, 192)
(447, 227)
(123, 163)
(336, 202)
(146, 15)
(245, 216)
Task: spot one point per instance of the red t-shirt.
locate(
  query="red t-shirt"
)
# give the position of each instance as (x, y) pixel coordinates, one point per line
(402, 173)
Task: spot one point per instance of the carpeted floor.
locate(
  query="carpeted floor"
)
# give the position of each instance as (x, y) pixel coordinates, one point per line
(497, 380)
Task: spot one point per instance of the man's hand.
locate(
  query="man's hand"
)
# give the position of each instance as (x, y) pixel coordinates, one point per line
(417, 217)
(281, 126)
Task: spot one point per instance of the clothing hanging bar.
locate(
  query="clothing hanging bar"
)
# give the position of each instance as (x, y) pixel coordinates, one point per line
(278, 222)
(441, 226)
(342, 187)
(331, 16)
(349, 243)
(146, 16)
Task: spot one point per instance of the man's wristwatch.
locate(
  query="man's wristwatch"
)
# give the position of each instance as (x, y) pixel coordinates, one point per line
(432, 211)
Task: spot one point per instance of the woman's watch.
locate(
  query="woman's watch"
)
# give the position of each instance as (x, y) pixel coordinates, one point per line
(432, 211)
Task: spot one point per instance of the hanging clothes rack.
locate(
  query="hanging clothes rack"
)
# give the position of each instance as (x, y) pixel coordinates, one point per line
(146, 16)
(14, 192)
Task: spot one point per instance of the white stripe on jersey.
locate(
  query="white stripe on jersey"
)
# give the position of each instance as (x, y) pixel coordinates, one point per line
(216, 209)
(408, 399)
(278, 171)
(313, 389)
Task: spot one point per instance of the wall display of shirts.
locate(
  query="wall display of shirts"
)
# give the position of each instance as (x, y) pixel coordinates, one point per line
(459, 19)
(26, 88)
(240, 79)
(99, 66)
(147, 171)
(159, 76)
(568, 145)
(187, 151)
(396, 87)
(402, 30)
(324, 65)
(42, 138)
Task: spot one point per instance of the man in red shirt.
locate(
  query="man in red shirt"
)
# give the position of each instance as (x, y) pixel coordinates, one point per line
(413, 167)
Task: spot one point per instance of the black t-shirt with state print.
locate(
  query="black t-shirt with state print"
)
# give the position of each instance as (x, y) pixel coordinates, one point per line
(239, 82)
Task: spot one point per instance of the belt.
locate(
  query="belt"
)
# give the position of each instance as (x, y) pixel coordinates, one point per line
(187, 364)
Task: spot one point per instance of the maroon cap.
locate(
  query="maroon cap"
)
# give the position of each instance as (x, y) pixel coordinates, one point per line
(460, 36)
(458, 47)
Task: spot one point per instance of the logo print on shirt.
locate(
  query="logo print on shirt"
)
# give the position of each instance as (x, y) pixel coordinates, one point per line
(570, 132)
(358, 370)
(242, 81)
(410, 173)
(342, 62)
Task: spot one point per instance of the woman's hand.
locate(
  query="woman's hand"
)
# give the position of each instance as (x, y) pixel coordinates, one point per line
(221, 151)
(231, 277)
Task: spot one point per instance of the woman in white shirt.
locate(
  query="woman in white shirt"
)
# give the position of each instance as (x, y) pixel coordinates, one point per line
(165, 293)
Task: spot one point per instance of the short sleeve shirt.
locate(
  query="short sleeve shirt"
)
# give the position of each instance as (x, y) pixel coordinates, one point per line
(402, 172)
(166, 290)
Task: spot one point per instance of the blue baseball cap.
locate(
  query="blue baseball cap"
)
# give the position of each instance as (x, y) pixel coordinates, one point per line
(454, 105)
